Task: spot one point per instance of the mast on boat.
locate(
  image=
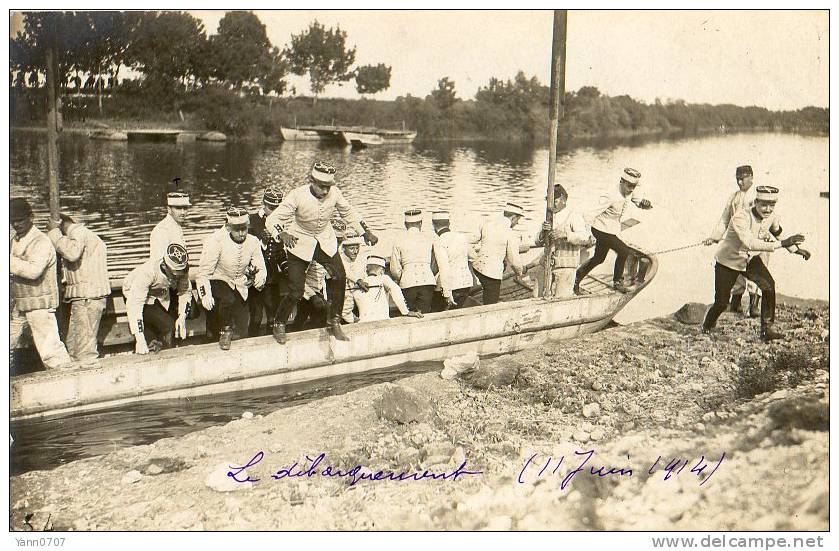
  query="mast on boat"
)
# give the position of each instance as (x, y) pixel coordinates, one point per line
(557, 108)
(52, 118)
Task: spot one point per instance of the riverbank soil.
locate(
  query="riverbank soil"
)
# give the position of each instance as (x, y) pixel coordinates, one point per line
(720, 432)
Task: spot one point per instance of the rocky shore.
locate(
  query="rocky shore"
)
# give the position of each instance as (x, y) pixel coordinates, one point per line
(693, 432)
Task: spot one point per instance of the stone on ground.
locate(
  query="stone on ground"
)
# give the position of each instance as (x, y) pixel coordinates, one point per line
(691, 313)
(403, 405)
(497, 373)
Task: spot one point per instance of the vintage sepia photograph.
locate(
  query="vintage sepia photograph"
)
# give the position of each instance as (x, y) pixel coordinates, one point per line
(420, 270)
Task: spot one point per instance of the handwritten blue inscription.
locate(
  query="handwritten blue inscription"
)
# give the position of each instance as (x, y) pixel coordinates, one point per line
(584, 464)
(312, 467)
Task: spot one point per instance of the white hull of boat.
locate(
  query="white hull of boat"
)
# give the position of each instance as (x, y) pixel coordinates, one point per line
(310, 355)
(294, 135)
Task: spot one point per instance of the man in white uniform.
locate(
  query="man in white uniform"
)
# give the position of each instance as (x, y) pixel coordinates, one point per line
(170, 229)
(355, 266)
(750, 232)
(302, 223)
(34, 288)
(373, 304)
(497, 243)
(410, 264)
(231, 263)
(455, 247)
(607, 226)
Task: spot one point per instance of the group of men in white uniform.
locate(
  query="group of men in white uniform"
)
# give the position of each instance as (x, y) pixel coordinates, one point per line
(288, 255)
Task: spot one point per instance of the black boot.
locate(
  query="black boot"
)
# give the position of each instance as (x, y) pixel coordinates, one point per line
(768, 333)
(225, 336)
(754, 305)
(278, 330)
(735, 304)
(333, 322)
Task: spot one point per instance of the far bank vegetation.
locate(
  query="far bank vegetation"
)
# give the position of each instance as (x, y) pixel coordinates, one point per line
(234, 81)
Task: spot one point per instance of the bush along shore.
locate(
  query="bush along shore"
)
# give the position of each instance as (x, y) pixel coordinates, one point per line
(500, 112)
(692, 432)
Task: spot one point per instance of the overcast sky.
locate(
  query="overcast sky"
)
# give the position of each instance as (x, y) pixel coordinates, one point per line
(769, 58)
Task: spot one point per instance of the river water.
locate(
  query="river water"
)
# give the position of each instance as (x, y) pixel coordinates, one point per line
(121, 194)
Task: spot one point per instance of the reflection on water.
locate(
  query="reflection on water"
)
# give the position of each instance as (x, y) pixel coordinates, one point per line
(43, 444)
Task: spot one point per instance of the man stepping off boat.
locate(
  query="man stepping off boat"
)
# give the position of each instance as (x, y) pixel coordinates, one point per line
(607, 225)
(302, 224)
(569, 235)
(372, 297)
(265, 301)
(497, 243)
(751, 231)
(410, 265)
(740, 199)
(34, 288)
(455, 247)
(146, 290)
(231, 262)
(86, 272)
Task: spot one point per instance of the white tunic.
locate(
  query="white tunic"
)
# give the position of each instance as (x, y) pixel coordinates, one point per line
(746, 237)
(309, 219)
(410, 259)
(147, 283)
(609, 209)
(456, 248)
(497, 242)
(373, 304)
(225, 260)
(736, 201)
(166, 232)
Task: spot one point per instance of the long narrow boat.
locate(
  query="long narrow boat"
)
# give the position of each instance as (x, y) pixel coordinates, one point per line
(518, 322)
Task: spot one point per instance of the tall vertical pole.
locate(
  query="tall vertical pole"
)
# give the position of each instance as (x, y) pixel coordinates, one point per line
(52, 123)
(557, 108)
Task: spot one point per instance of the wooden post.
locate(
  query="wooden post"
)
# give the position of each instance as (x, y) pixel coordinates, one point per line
(556, 111)
(52, 133)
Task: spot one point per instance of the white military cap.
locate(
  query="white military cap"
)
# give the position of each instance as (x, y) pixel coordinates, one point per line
(373, 260)
(352, 241)
(513, 208)
(323, 173)
(413, 215)
(631, 175)
(767, 193)
(440, 216)
(237, 216)
(177, 199)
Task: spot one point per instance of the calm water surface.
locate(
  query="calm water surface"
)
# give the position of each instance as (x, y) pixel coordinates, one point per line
(122, 195)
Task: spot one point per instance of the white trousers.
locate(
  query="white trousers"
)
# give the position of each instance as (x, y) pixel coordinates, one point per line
(562, 285)
(41, 326)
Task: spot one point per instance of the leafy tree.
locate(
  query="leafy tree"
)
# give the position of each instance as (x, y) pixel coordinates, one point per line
(371, 79)
(323, 54)
(444, 96)
(241, 51)
(167, 46)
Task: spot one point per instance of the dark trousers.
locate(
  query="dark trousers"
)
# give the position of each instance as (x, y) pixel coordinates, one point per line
(311, 313)
(158, 324)
(229, 310)
(492, 288)
(605, 242)
(724, 278)
(419, 298)
(335, 285)
(459, 295)
(262, 302)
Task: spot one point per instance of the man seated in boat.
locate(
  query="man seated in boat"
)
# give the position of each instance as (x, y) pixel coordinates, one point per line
(264, 302)
(569, 234)
(302, 224)
(146, 290)
(372, 302)
(750, 232)
(355, 266)
(607, 226)
(410, 264)
(454, 246)
(86, 273)
(231, 263)
(33, 289)
(496, 244)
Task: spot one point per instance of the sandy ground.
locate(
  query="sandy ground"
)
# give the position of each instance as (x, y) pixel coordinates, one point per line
(639, 398)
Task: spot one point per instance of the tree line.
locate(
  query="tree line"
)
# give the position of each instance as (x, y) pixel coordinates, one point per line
(172, 53)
